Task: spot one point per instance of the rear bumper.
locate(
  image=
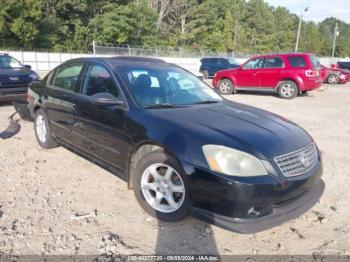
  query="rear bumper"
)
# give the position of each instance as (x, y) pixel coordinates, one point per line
(311, 84)
(13, 94)
(280, 214)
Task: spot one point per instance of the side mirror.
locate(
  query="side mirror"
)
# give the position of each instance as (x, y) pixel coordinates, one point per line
(201, 78)
(29, 67)
(106, 99)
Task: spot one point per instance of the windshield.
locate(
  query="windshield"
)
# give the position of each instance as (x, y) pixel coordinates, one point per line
(165, 86)
(233, 61)
(7, 62)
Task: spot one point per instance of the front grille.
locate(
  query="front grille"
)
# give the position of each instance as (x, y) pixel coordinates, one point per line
(298, 162)
(13, 84)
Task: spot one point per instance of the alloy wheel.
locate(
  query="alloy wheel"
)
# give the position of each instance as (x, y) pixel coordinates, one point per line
(163, 188)
(40, 127)
(287, 90)
(224, 87)
(332, 79)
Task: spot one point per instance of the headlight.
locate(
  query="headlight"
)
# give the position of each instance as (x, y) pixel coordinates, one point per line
(34, 76)
(233, 162)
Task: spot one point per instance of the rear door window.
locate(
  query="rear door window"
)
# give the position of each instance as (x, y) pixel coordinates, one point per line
(273, 62)
(67, 76)
(213, 61)
(223, 61)
(296, 61)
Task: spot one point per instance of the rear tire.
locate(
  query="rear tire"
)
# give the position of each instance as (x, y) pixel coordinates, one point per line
(225, 87)
(287, 89)
(160, 187)
(333, 79)
(42, 130)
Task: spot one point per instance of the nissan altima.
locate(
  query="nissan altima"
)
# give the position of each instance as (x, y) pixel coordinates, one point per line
(179, 146)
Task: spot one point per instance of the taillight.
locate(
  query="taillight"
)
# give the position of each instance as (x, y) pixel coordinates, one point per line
(312, 73)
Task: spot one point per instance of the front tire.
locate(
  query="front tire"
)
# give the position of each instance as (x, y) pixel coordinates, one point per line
(288, 89)
(226, 87)
(160, 187)
(42, 130)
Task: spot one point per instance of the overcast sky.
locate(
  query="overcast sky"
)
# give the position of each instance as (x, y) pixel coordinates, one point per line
(319, 9)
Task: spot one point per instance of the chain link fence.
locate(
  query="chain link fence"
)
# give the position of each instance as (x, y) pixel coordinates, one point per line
(158, 52)
(43, 62)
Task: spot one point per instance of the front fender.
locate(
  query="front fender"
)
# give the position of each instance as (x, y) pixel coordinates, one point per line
(229, 77)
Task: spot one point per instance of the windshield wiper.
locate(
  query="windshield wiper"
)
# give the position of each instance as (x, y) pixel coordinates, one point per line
(206, 102)
(163, 105)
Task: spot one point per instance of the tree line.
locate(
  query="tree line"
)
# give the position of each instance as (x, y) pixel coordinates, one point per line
(237, 26)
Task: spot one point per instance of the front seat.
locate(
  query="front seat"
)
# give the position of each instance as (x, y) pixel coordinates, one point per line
(143, 90)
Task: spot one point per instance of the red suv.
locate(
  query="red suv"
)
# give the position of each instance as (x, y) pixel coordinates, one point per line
(287, 74)
(334, 75)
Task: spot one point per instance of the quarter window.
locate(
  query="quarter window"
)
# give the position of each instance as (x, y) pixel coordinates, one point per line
(67, 77)
(296, 61)
(273, 62)
(99, 80)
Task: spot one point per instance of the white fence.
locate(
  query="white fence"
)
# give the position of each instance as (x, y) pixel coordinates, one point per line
(43, 62)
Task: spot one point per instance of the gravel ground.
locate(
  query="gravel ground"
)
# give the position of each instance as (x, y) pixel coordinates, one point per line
(54, 202)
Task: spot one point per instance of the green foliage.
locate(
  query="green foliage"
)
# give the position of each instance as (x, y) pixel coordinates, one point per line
(238, 26)
(132, 24)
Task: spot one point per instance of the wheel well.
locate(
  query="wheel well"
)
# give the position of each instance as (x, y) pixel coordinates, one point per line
(137, 156)
(288, 79)
(333, 73)
(226, 78)
(36, 108)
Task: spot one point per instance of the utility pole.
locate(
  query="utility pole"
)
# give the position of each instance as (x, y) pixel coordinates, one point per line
(299, 28)
(336, 33)
(235, 36)
(93, 47)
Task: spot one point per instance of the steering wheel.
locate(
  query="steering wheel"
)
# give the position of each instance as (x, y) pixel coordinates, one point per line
(181, 92)
(180, 95)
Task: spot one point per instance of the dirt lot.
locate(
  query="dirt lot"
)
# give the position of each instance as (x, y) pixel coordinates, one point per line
(42, 191)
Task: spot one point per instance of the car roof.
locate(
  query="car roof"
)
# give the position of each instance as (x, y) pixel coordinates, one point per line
(115, 60)
(214, 57)
(282, 54)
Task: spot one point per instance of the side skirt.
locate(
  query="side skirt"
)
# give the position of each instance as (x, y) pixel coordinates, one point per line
(257, 89)
(115, 171)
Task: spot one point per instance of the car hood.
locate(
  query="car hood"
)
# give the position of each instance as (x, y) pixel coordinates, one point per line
(21, 75)
(257, 131)
(230, 70)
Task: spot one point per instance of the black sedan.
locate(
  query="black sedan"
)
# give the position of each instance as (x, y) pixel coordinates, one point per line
(177, 144)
